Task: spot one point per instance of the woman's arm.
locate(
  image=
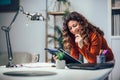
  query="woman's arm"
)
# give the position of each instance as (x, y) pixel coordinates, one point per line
(92, 50)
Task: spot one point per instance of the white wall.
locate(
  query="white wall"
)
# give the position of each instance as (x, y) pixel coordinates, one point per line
(26, 35)
(94, 10)
(115, 46)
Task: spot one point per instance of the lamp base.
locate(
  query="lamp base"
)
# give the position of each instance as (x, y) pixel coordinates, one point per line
(10, 64)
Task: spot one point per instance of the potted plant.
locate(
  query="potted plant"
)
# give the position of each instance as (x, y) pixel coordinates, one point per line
(61, 5)
(57, 38)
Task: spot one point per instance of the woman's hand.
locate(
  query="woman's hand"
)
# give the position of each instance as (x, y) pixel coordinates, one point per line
(55, 57)
(79, 40)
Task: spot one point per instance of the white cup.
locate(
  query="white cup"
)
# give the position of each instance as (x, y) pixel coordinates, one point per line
(60, 64)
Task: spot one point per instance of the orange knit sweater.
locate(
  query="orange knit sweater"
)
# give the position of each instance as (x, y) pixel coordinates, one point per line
(92, 50)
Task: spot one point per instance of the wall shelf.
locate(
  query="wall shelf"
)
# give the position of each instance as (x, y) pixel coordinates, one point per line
(114, 8)
(115, 18)
(56, 13)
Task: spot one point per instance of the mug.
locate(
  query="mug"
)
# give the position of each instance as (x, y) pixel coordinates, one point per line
(60, 64)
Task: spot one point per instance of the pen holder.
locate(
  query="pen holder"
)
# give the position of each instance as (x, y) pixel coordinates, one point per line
(101, 59)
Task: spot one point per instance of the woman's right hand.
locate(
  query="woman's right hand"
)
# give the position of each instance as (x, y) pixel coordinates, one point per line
(79, 40)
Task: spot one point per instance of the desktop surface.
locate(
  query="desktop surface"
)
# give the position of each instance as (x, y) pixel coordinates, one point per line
(59, 74)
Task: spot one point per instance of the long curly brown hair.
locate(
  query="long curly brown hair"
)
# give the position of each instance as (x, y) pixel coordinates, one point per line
(87, 27)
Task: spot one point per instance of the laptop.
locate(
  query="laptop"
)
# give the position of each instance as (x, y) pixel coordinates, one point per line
(90, 66)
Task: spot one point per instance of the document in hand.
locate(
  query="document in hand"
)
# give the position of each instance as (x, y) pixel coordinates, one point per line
(67, 57)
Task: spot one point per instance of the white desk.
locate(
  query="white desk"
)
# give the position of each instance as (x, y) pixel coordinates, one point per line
(62, 74)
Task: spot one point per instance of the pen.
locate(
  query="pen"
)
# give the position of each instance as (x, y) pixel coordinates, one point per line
(105, 52)
(101, 51)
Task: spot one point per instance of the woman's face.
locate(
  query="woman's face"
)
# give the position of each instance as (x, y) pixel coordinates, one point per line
(74, 27)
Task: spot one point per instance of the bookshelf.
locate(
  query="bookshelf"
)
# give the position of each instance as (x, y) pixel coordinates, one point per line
(55, 16)
(115, 29)
(115, 36)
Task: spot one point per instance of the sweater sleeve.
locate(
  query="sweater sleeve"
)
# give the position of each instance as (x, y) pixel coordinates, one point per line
(90, 52)
(74, 53)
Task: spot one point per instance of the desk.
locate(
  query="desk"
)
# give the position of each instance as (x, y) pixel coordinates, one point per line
(62, 74)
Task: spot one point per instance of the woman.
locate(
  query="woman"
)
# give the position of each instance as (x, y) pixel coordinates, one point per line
(82, 37)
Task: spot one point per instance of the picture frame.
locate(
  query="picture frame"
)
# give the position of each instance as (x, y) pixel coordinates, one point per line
(13, 6)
